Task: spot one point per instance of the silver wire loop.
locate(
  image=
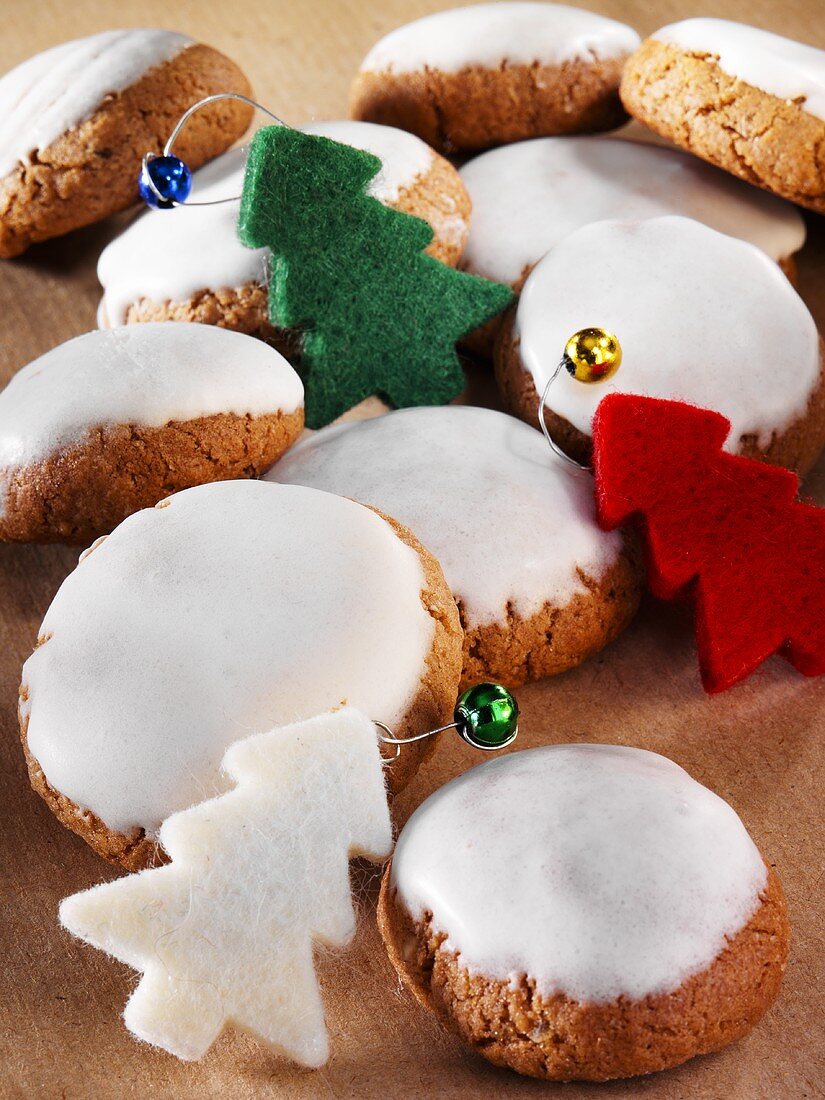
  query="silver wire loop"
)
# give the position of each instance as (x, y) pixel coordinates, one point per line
(389, 738)
(542, 405)
(464, 734)
(150, 182)
(184, 118)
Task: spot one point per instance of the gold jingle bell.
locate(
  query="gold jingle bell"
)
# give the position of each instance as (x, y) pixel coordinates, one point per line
(592, 355)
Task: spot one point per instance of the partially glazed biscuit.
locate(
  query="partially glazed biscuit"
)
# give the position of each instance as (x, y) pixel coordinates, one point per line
(528, 196)
(584, 912)
(473, 77)
(539, 586)
(747, 100)
(115, 421)
(229, 609)
(188, 264)
(701, 317)
(76, 120)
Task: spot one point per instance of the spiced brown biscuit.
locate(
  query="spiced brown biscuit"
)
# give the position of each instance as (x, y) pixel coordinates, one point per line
(159, 268)
(115, 421)
(528, 196)
(680, 297)
(748, 101)
(80, 117)
(229, 608)
(473, 77)
(584, 912)
(539, 587)
(519, 649)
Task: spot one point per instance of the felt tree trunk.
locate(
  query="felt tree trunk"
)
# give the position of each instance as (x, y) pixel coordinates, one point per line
(378, 315)
(224, 933)
(728, 531)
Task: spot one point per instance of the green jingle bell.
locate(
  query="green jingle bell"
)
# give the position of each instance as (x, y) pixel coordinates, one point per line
(486, 717)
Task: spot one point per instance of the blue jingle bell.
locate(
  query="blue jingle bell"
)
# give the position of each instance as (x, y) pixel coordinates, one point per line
(164, 182)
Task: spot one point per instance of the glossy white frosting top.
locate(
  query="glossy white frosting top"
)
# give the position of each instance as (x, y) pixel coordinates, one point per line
(529, 195)
(227, 610)
(701, 317)
(139, 374)
(597, 871)
(511, 525)
(488, 35)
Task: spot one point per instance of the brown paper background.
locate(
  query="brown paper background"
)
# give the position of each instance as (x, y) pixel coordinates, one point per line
(757, 745)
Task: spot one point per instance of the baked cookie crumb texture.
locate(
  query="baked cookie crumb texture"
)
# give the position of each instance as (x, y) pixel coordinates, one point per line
(517, 650)
(87, 490)
(746, 100)
(592, 913)
(79, 118)
(132, 696)
(473, 77)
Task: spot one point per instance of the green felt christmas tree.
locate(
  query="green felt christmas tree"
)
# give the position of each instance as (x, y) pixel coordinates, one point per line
(378, 315)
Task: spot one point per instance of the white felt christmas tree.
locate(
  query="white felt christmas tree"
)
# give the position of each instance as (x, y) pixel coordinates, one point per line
(224, 933)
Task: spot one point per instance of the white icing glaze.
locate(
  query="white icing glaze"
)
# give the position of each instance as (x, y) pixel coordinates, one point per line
(231, 608)
(440, 471)
(777, 65)
(169, 255)
(58, 89)
(489, 34)
(527, 196)
(701, 317)
(596, 870)
(140, 374)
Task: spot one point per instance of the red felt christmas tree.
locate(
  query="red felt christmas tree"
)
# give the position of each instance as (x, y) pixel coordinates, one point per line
(727, 531)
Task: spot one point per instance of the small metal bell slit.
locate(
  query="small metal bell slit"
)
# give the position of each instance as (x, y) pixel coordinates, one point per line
(591, 355)
(485, 716)
(165, 181)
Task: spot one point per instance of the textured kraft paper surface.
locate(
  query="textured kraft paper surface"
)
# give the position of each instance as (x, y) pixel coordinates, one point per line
(757, 745)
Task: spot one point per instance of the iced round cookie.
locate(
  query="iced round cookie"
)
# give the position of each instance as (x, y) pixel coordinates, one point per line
(187, 264)
(743, 98)
(584, 912)
(469, 78)
(538, 585)
(701, 317)
(527, 196)
(76, 120)
(114, 421)
(227, 610)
